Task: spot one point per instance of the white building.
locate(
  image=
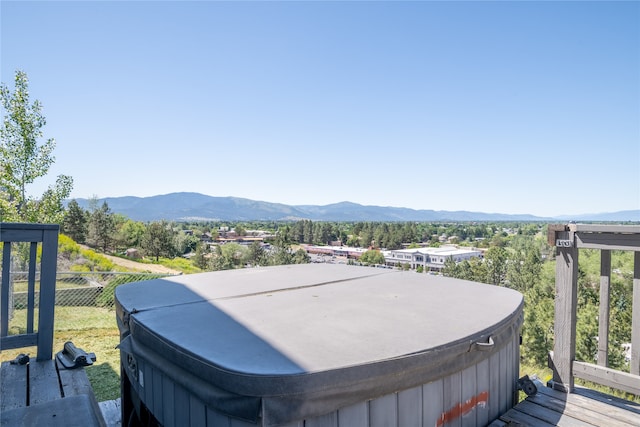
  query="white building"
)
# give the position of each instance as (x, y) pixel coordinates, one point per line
(429, 258)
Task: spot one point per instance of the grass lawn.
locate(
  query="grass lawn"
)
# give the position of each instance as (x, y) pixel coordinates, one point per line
(94, 330)
(23, 286)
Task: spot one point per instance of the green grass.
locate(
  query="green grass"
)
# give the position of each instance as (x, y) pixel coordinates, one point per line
(23, 286)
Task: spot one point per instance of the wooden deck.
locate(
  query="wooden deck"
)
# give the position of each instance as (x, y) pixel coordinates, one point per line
(44, 393)
(584, 407)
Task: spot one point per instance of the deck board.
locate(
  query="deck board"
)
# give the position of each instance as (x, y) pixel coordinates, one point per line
(41, 394)
(15, 396)
(43, 382)
(584, 407)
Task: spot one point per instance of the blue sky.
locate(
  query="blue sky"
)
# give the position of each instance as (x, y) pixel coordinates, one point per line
(509, 107)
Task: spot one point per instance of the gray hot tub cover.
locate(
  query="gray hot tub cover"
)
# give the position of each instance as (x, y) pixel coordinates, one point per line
(288, 343)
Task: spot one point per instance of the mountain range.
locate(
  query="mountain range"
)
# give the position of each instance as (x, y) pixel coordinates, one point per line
(199, 207)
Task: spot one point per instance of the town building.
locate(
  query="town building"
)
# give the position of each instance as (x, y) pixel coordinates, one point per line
(431, 259)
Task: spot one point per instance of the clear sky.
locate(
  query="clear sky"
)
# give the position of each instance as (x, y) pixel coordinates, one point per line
(508, 107)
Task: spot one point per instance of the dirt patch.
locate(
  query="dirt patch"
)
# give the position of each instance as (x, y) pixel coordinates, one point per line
(136, 266)
(139, 266)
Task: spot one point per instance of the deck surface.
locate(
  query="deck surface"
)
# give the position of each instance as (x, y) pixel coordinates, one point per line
(43, 393)
(584, 407)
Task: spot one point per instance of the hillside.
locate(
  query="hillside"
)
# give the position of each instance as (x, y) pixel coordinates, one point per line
(196, 206)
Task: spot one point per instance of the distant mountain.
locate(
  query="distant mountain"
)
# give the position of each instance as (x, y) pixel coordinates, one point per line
(621, 216)
(195, 206)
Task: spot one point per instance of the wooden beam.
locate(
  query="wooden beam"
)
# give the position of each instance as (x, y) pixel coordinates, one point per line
(603, 318)
(611, 241)
(605, 228)
(19, 341)
(607, 377)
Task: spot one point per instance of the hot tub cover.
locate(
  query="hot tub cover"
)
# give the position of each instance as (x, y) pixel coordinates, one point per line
(290, 342)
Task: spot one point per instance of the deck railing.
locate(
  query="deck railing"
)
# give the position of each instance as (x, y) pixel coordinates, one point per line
(31, 235)
(569, 239)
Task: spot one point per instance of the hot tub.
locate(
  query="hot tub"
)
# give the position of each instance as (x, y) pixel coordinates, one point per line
(317, 344)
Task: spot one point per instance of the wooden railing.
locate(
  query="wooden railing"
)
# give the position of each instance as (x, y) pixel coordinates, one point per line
(568, 240)
(45, 235)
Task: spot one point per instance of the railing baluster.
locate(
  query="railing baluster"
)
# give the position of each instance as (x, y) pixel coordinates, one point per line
(4, 294)
(603, 318)
(31, 286)
(635, 322)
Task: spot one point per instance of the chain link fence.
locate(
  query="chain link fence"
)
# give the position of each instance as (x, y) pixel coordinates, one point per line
(83, 299)
(79, 289)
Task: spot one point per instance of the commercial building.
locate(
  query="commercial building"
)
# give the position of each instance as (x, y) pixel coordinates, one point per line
(431, 259)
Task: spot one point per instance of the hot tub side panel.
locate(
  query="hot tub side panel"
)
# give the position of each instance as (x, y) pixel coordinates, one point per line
(474, 396)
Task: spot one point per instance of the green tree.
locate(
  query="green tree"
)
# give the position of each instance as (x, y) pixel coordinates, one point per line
(75, 222)
(101, 228)
(281, 252)
(130, 233)
(240, 230)
(184, 243)
(256, 255)
(523, 270)
(450, 268)
(301, 257)
(496, 261)
(157, 240)
(200, 259)
(228, 256)
(372, 257)
(23, 159)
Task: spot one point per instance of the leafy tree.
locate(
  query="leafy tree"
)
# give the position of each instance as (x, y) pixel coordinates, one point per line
(229, 256)
(23, 159)
(372, 257)
(75, 222)
(200, 258)
(496, 262)
(366, 236)
(281, 254)
(450, 268)
(184, 243)
(130, 234)
(158, 239)
(101, 228)
(301, 257)
(240, 230)
(523, 270)
(256, 255)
